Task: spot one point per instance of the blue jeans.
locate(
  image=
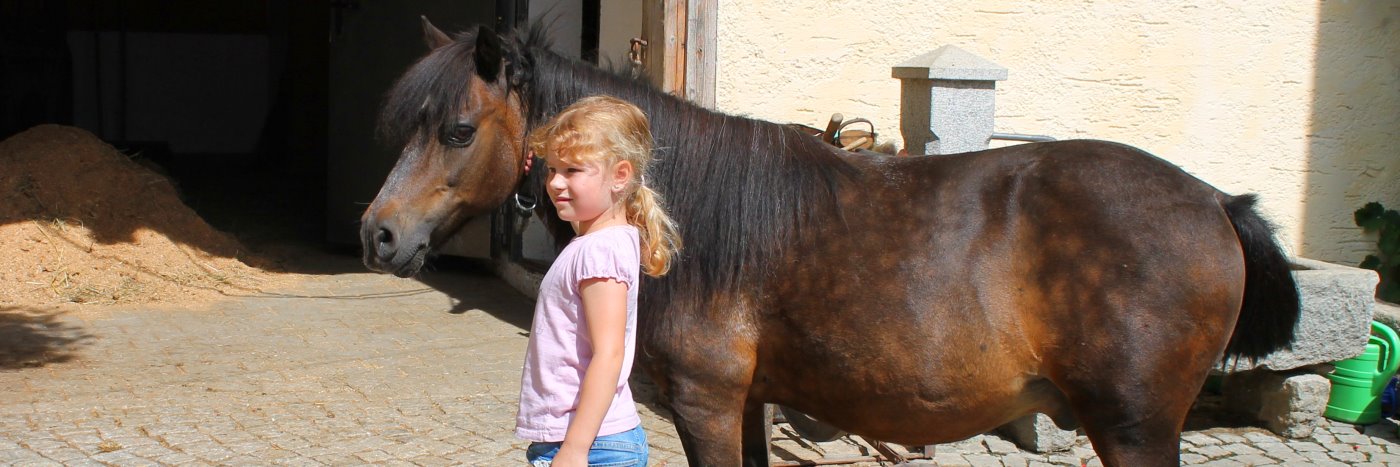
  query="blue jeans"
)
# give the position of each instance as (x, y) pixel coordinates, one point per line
(625, 449)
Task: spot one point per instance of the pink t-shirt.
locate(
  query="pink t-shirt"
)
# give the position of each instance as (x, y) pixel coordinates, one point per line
(559, 350)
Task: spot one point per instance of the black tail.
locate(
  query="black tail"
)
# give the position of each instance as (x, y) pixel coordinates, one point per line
(1270, 310)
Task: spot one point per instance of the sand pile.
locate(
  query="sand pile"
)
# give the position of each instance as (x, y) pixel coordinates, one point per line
(81, 222)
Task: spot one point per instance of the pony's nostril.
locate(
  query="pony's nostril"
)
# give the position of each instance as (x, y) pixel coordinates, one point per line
(384, 244)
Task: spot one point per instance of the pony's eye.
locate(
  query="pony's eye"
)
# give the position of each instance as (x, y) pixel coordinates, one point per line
(459, 135)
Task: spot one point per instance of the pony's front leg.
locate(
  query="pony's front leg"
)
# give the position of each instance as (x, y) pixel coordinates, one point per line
(709, 420)
(706, 384)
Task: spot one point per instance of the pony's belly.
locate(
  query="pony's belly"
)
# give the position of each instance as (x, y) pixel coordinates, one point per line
(911, 409)
(893, 418)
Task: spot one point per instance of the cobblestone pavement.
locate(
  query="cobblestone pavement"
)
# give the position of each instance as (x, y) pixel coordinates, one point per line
(356, 368)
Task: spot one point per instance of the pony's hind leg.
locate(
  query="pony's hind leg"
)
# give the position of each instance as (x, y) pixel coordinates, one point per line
(1133, 412)
(1135, 440)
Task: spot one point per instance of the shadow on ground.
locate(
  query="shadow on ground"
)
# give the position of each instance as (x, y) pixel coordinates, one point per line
(31, 338)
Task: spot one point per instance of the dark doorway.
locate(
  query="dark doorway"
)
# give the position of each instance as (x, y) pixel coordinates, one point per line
(226, 98)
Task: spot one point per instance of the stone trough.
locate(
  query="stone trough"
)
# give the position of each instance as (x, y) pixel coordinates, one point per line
(1285, 391)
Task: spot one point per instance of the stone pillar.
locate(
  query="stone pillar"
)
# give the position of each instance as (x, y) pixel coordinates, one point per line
(947, 101)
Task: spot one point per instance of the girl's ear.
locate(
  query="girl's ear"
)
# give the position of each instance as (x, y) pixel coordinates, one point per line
(622, 174)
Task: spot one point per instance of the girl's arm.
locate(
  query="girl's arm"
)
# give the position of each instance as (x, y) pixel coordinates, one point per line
(605, 318)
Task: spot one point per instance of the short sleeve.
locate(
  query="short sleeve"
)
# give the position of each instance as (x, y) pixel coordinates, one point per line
(609, 257)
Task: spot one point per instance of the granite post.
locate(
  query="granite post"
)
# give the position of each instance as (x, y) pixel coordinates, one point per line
(947, 101)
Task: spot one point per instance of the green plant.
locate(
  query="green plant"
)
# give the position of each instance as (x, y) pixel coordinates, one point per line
(1374, 217)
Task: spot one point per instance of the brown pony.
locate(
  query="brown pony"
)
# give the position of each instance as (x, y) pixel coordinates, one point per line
(913, 300)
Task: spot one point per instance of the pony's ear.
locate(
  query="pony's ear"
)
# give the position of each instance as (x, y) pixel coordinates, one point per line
(433, 36)
(488, 54)
(521, 67)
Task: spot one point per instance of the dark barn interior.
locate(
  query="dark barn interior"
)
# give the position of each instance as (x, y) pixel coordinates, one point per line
(226, 98)
(261, 111)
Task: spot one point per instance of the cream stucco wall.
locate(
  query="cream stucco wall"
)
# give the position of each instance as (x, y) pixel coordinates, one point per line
(1297, 101)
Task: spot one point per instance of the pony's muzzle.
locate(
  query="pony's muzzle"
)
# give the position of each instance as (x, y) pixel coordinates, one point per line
(388, 249)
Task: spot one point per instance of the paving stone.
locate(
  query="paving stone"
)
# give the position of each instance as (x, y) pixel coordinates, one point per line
(1260, 437)
(1223, 463)
(950, 460)
(1386, 458)
(1287, 457)
(1305, 446)
(1242, 449)
(1272, 446)
(1346, 429)
(373, 457)
(116, 457)
(1200, 439)
(983, 460)
(1212, 452)
(1338, 447)
(1253, 459)
(1382, 431)
(1230, 438)
(1354, 439)
(1193, 458)
(37, 463)
(1001, 446)
(1349, 457)
(177, 458)
(1017, 459)
(1321, 458)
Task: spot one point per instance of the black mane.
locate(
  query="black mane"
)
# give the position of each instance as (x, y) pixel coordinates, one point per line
(740, 189)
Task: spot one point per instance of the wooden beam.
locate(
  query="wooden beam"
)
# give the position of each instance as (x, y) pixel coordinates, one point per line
(702, 24)
(663, 27)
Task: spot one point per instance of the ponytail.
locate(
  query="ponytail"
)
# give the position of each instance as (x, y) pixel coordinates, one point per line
(660, 241)
(610, 130)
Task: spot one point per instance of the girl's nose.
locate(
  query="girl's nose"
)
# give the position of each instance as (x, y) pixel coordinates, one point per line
(555, 182)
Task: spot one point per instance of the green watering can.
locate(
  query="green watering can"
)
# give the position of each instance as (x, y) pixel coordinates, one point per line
(1358, 382)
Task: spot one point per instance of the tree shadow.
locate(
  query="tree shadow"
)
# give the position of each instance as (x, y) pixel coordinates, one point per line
(1354, 135)
(32, 338)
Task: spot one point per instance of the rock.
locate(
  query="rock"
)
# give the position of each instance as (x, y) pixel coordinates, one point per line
(1288, 404)
(1038, 433)
(1336, 317)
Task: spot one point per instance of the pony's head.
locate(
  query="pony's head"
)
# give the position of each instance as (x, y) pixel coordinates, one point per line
(459, 119)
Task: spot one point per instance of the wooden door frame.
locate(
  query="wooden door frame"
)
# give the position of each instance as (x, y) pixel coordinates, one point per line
(681, 40)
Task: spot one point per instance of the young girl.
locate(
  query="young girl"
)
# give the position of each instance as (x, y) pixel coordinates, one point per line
(575, 403)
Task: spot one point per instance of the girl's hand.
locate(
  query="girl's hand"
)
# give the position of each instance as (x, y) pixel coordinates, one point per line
(570, 458)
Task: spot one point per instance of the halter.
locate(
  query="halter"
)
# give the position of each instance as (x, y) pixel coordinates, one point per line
(525, 200)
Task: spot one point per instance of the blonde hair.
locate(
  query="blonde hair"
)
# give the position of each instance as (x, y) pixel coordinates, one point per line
(609, 130)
